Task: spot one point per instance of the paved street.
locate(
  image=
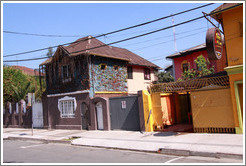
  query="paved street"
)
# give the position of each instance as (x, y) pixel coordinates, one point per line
(15, 151)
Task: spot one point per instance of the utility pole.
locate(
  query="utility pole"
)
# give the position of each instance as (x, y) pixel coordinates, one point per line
(175, 45)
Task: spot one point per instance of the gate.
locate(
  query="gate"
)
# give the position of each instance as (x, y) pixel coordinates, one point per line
(124, 114)
(37, 115)
(84, 116)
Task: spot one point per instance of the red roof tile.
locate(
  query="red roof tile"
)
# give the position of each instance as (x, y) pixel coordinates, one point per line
(28, 71)
(190, 50)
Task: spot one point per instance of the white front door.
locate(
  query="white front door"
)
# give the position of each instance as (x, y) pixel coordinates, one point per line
(99, 116)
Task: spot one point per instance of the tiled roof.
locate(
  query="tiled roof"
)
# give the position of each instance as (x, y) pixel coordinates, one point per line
(28, 71)
(85, 45)
(190, 50)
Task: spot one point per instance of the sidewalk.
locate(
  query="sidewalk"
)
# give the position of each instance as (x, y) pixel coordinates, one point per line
(185, 144)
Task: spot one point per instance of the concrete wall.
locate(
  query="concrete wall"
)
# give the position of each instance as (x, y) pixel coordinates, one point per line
(138, 82)
(15, 115)
(52, 118)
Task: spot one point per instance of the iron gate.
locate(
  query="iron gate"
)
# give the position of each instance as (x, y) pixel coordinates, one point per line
(124, 114)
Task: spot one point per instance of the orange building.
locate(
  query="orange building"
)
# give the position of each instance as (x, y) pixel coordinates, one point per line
(230, 16)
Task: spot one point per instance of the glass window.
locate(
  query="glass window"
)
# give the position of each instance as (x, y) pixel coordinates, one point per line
(116, 67)
(103, 66)
(129, 72)
(66, 71)
(67, 108)
(185, 67)
(147, 74)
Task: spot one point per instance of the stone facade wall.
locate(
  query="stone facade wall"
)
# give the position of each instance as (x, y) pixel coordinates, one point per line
(112, 78)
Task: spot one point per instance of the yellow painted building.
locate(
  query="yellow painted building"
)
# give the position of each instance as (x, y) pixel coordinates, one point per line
(230, 15)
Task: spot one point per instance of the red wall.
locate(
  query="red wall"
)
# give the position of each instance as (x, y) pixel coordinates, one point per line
(219, 65)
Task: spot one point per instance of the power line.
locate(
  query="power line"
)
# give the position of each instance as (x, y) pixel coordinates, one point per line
(138, 25)
(185, 22)
(134, 37)
(167, 41)
(33, 34)
(32, 59)
(164, 37)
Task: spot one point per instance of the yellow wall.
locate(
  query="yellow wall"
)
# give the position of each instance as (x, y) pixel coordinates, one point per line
(157, 110)
(233, 78)
(138, 82)
(233, 37)
(147, 106)
(212, 108)
(232, 21)
(152, 103)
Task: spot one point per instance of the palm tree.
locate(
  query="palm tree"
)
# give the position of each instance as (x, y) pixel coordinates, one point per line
(20, 92)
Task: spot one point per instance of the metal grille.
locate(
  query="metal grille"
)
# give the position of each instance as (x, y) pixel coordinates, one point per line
(195, 84)
(214, 130)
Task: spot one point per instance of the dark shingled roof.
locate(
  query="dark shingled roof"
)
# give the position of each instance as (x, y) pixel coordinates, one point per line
(85, 45)
(185, 52)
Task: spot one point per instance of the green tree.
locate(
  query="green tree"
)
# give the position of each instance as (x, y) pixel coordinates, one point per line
(16, 85)
(164, 77)
(203, 69)
(13, 81)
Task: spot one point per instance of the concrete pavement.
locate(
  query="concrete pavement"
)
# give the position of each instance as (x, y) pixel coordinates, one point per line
(173, 143)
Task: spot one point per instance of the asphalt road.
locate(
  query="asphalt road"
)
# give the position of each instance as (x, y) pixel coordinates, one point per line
(15, 151)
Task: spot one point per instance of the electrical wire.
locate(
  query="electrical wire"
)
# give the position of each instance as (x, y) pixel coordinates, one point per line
(164, 37)
(33, 34)
(134, 37)
(102, 45)
(32, 59)
(167, 41)
(138, 25)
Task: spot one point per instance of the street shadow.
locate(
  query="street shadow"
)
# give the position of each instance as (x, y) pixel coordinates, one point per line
(11, 162)
(23, 134)
(165, 134)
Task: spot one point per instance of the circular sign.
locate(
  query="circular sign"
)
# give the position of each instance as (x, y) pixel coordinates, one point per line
(214, 43)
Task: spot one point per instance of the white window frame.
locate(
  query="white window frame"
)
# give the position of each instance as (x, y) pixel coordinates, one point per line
(67, 106)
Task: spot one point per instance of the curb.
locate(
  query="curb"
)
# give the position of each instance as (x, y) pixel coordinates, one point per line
(176, 152)
(38, 139)
(117, 148)
(197, 153)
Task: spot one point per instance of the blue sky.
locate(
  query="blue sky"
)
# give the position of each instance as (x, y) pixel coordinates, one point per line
(83, 19)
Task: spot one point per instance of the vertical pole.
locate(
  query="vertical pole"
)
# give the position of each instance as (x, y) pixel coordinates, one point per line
(175, 45)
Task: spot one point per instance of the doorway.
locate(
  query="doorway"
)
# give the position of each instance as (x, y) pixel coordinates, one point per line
(84, 116)
(99, 112)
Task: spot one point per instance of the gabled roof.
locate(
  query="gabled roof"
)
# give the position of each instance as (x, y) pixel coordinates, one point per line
(92, 46)
(28, 71)
(188, 51)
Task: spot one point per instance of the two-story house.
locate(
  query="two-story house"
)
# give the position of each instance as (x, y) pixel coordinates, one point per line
(85, 70)
(184, 60)
(230, 16)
